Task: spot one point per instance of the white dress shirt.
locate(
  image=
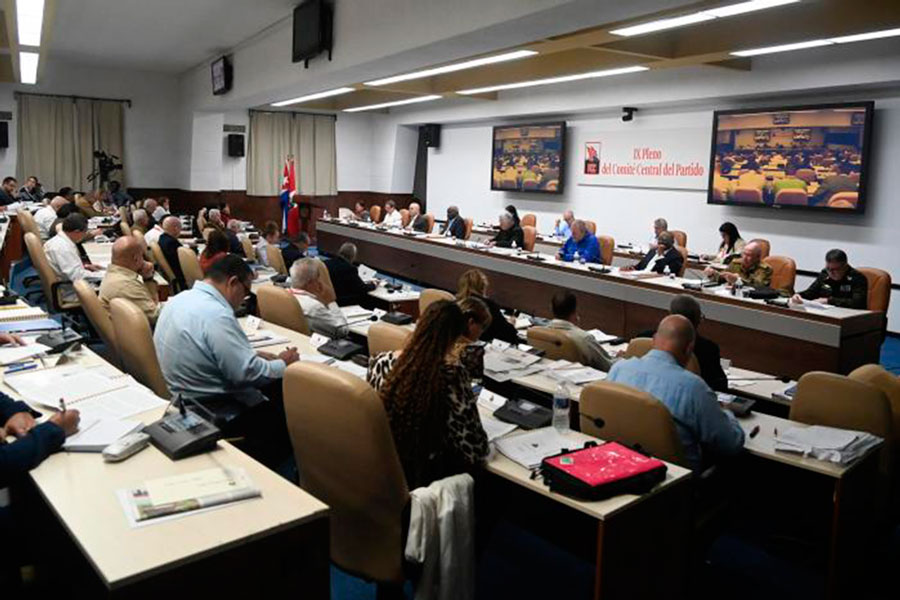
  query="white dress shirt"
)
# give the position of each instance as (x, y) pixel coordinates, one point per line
(64, 258)
(44, 219)
(152, 236)
(262, 256)
(393, 219)
(327, 320)
(159, 214)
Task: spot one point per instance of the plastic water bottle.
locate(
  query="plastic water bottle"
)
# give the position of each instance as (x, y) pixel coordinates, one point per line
(326, 216)
(738, 288)
(561, 408)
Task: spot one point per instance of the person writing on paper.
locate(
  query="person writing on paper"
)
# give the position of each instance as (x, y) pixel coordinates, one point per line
(201, 347)
(664, 258)
(392, 216)
(471, 348)
(126, 277)
(427, 394)
(749, 269)
(349, 288)
(455, 225)
(563, 227)
(62, 250)
(417, 221)
(732, 244)
(565, 318)
(837, 284)
(474, 283)
(510, 234)
(317, 298)
(581, 245)
(707, 431)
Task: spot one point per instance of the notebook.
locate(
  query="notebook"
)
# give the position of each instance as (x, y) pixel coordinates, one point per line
(99, 434)
(72, 383)
(20, 313)
(26, 325)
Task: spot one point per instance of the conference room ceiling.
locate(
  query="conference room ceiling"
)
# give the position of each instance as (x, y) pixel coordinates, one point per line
(707, 43)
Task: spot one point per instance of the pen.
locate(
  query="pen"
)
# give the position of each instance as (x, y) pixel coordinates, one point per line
(62, 405)
(754, 431)
(23, 367)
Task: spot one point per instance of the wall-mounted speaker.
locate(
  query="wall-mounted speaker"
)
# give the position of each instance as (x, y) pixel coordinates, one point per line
(4, 134)
(235, 144)
(432, 135)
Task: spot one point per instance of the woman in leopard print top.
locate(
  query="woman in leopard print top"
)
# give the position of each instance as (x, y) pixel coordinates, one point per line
(427, 393)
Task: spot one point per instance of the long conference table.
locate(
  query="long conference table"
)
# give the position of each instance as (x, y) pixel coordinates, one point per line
(766, 338)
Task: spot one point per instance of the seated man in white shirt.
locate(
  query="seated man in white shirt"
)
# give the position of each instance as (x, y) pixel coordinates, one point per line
(46, 216)
(62, 252)
(317, 299)
(392, 216)
(152, 236)
(565, 318)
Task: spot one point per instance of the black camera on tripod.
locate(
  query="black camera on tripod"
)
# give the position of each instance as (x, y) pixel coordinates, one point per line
(106, 165)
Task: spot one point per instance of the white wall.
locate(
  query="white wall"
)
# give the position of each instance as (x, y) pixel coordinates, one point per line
(151, 134)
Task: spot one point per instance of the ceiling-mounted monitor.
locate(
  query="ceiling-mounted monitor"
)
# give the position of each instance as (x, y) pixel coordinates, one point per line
(221, 75)
(312, 30)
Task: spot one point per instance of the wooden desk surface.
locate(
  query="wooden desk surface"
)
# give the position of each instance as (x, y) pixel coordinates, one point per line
(81, 488)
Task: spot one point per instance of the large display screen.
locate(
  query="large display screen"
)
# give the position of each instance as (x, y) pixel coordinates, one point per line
(811, 157)
(529, 158)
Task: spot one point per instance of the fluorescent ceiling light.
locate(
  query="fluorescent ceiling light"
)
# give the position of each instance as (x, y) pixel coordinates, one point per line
(28, 64)
(30, 18)
(862, 37)
(469, 64)
(783, 48)
(662, 24)
(395, 103)
(745, 7)
(552, 80)
(316, 96)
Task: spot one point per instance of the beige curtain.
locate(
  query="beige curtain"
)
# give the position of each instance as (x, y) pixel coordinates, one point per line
(57, 137)
(309, 138)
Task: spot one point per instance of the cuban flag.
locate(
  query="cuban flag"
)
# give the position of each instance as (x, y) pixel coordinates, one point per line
(288, 187)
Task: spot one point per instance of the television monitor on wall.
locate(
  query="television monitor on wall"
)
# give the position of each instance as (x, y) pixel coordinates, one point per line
(221, 76)
(804, 157)
(529, 158)
(312, 30)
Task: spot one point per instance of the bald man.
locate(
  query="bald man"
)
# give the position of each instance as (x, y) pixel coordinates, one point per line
(707, 431)
(126, 276)
(47, 216)
(417, 221)
(563, 227)
(749, 269)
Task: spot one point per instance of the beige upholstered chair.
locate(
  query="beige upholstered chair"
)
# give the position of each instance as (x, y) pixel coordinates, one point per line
(684, 259)
(190, 266)
(99, 318)
(764, 243)
(347, 459)
(529, 236)
(51, 283)
(277, 305)
(404, 217)
(617, 412)
(470, 223)
(375, 214)
(680, 237)
(554, 342)
(27, 223)
(138, 356)
(276, 259)
(638, 347)
(249, 250)
(160, 260)
(878, 376)
(607, 248)
(529, 219)
(126, 229)
(432, 295)
(387, 337)
(879, 288)
(784, 272)
(591, 226)
(430, 219)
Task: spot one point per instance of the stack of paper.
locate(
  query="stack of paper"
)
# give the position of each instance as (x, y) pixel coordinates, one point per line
(494, 427)
(529, 449)
(841, 446)
(263, 338)
(600, 336)
(11, 354)
(510, 363)
(579, 375)
(355, 313)
(366, 273)
(97, 435)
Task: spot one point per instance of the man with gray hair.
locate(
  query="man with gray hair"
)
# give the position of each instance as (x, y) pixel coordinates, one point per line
(659, 226)
(510, 234)
(140, 220)
(664, 258)
(317, 298)
(417, 221)
(349, 288)
(563, 227)
(706, 430)
(234, 242)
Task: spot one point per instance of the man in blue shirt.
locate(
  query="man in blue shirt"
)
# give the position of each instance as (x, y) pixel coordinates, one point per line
(563, 227)
(705, 429)
(583, 243)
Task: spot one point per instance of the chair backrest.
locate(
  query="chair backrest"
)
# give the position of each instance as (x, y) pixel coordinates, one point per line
(249, 250)
(607, 248)
(27, 223)
(42, 265)
(138, 356)
(126, 229)
(680, 237)
(430, 218)
(201, 222)
(324, 275)
(85, 207)
(807, 175)
(638, 347)
(591, 226)
(190, 266)
(843, 200)
(529, 236)
(554, 342)
(343, 445)
(744, 194)
(529, 219)
(791, 197)
(839, 401)
(432, 295)
(784, 272)
(276, 259)
(123, 214)
(375, 214)
(139, 236)
(617, 412)
(162, 261)
(98, 316)
(404, 216)
(888, 383)
(764, 244)
(277, 305)
(470, 223)
(683, 251)
(879, 288)
(387, 337)
(205, 233)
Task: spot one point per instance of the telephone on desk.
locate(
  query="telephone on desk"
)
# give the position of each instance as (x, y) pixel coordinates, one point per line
(182, 434)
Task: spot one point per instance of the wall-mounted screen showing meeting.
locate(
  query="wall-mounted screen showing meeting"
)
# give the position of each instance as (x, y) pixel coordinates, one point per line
(811, 157)
(529, 158)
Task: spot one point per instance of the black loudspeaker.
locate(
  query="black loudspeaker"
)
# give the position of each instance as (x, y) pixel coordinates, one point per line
(4, 134)
(432, 135)
(235, 144)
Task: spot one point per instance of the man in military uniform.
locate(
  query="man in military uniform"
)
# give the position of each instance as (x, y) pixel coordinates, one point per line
(750, 269)
(838, 284)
